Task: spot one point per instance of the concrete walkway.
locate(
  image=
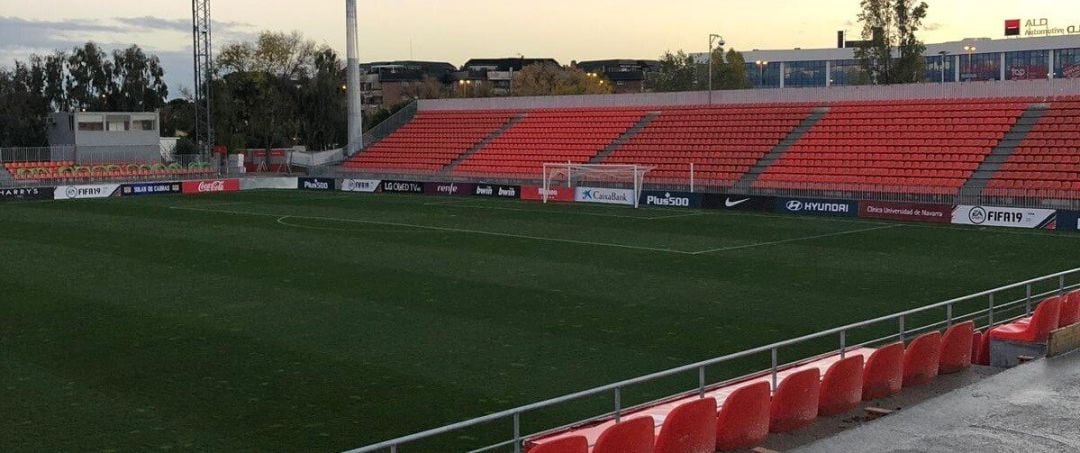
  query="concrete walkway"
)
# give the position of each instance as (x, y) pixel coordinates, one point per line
(1031, 408)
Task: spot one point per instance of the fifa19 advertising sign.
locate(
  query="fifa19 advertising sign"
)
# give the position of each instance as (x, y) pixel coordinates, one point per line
(1005, 217)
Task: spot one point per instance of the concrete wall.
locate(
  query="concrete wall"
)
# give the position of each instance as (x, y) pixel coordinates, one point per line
(1020, 88)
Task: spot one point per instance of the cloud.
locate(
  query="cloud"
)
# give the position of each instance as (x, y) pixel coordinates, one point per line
(933, 26)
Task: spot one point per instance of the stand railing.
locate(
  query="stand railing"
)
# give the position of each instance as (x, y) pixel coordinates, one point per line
(987, 308)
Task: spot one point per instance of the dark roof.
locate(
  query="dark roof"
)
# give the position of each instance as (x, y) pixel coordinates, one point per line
(506, 64)
(609, 66)
(433, 68)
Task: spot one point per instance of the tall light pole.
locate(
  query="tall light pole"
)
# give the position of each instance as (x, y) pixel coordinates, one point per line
(970, 50)
(718, 40)
(761, 64)
(353, 90)
(943, 55)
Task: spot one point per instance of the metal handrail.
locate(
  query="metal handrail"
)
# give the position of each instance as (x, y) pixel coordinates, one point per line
(515, 413)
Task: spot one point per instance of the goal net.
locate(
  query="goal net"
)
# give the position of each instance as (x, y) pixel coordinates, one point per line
(597, 183)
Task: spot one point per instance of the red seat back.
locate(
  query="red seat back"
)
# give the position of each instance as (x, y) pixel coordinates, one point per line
(980, 349)
(689, 428)
(956, 348)
(795, 403)
(841, 388)
(743, 421)
(884, 372)
(573, 444)
(631, 436)
(1070, 310)
(1045, 319)
(921, 359)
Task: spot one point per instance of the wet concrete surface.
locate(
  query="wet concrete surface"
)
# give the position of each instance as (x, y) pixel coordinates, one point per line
(1031, 408)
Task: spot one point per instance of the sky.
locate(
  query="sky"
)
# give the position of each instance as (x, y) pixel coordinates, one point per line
(456, 30)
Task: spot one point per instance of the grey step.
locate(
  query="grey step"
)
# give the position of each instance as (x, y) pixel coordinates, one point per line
(625, 137)
(778, 151)
(482, 143)
(990, 165)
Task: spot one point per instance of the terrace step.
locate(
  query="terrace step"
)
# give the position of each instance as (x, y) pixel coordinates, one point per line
(778, 151)
(480, 145)
(975, 185)
(625, 137)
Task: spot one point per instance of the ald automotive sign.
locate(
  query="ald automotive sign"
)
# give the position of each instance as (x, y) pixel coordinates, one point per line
(802, 206)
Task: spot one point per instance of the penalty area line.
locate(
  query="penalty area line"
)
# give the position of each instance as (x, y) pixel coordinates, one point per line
(281, 218)
(799, 239)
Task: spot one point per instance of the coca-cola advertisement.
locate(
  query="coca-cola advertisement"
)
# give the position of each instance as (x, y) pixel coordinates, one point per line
(211, 186)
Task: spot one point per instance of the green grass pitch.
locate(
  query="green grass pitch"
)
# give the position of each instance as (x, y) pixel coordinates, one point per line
(285, 321)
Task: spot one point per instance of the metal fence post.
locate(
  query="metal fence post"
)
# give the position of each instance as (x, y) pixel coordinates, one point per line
(1027, 306)
(843, 343)
(901, 328)
(948, 315)
(701, 381)
(393, 449)
(1061, 284)
(618, 404)
(517, 432)
(774, 370)
(990, 313)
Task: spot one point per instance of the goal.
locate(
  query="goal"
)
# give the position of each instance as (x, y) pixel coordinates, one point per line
(597, 183)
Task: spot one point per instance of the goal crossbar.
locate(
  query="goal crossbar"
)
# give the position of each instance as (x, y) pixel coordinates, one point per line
(622, 174)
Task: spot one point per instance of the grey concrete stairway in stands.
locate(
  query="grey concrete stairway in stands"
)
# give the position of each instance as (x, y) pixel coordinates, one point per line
(482, 143)
(974, 186)
(625, 137)
(778, 151)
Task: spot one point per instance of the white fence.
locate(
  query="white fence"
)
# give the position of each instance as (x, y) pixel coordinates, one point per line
(964, 90)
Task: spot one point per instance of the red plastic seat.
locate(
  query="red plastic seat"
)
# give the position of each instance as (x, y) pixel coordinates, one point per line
(689, 428)
(795, 403)
(575, 444)
(1070, 310)
(921, 359)
(956, 348)
(980, 354)
(841, 388)
(883, 374)
(1035, 329)
(630, 436)
(743, 421)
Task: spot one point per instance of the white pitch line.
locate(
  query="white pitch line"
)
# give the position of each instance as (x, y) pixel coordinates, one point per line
(446, 229)
(537, 211)
(788, 241)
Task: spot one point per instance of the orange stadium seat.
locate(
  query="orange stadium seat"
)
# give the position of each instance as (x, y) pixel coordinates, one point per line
(841, 388)
(1070, 310)
(689, 428)
(922, 359)
(630, 436)
(956, 348)
(795, 404)
(884, 372)
(574, 444)
(1034, 329)
(743, 421)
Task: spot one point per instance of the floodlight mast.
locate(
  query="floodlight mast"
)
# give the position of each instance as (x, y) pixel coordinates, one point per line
(352, 88)
(202, 42)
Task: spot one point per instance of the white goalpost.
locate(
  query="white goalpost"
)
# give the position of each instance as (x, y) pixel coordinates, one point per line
(609, 183)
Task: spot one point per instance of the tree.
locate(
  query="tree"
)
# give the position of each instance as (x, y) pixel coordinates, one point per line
(545, 79)
(140, 84)
(90, 78)
(677, 73)
(891, 52)
(729, 71)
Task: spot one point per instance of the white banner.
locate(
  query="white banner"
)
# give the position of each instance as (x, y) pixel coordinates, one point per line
(1004, 217)
(360, 185)
(604, 195)
(89, 191)
(268, 183)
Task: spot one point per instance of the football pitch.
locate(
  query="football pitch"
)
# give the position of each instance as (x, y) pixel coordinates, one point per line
(287, 321)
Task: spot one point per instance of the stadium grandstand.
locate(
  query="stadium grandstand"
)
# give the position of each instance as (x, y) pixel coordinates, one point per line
(807, 264)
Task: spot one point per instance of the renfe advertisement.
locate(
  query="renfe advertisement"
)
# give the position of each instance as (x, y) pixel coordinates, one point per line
(805, 206)
(536, 193)
(448, 189)
(1004, 217)
(906, 212)
(604, 195)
